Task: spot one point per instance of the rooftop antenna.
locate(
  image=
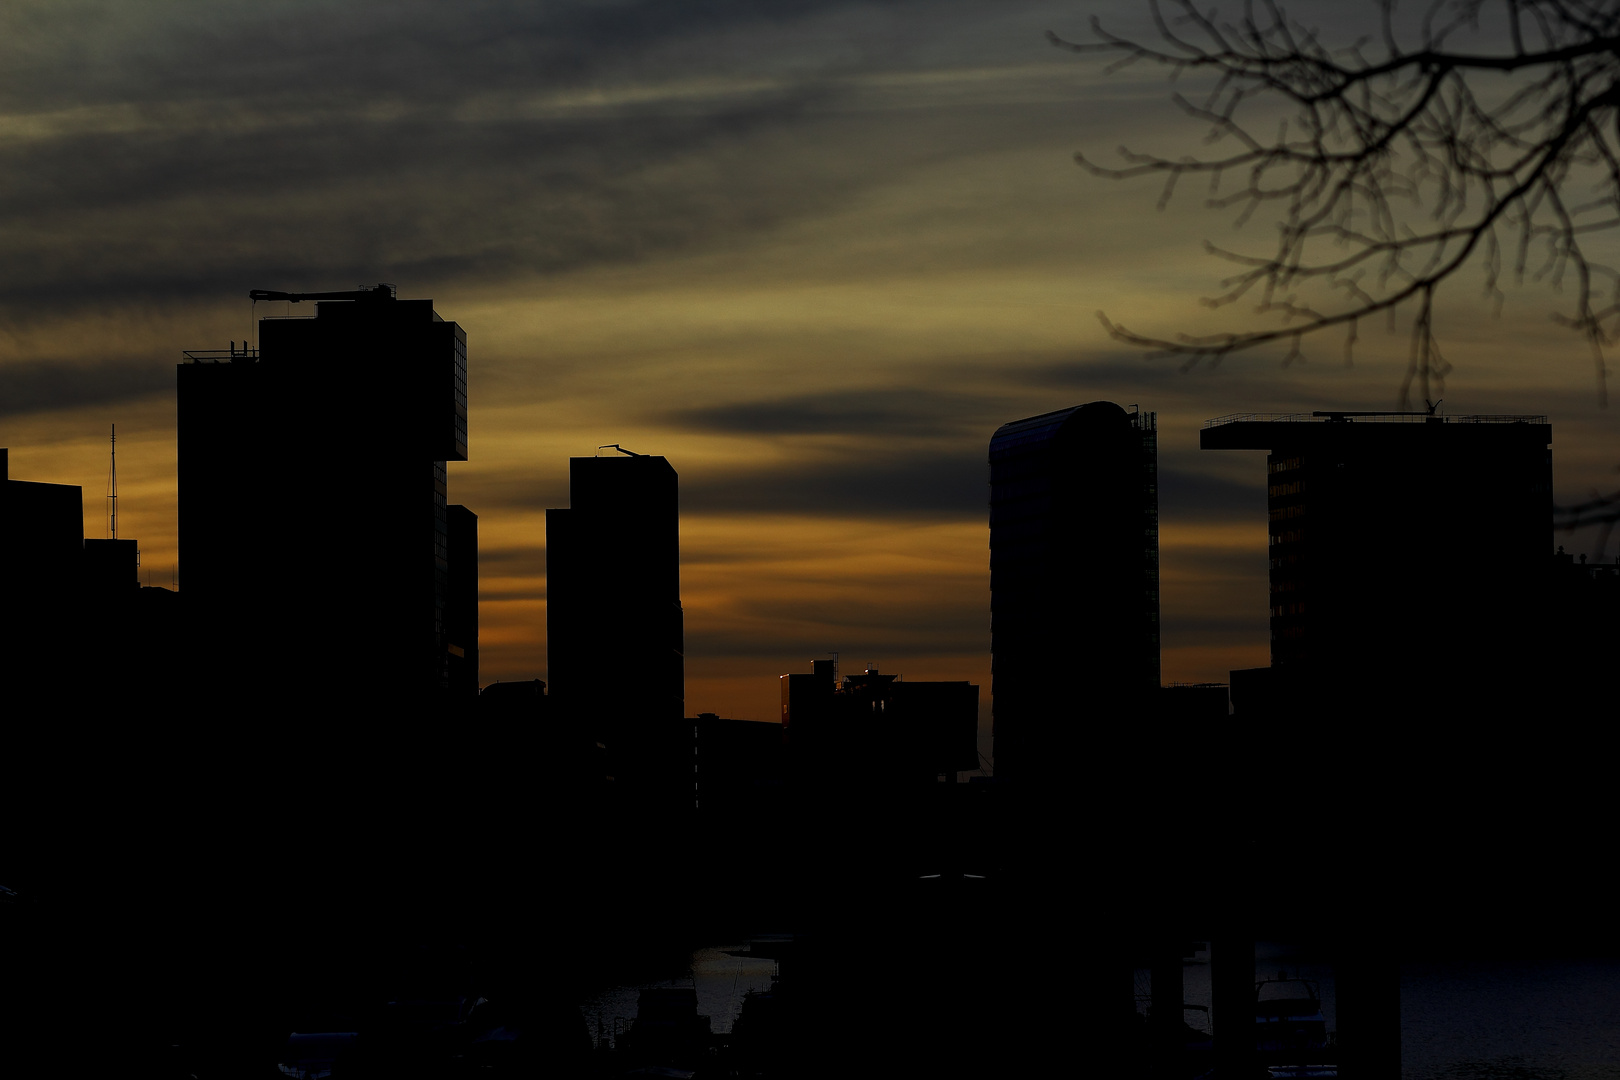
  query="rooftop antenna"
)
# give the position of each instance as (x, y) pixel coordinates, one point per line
(112, 487)
(620, 449)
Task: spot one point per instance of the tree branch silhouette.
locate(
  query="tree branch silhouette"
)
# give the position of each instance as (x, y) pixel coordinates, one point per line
(1395, 165)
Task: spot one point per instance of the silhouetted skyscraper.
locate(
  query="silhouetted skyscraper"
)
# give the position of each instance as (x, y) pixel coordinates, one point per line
(309, 524)
(1409, 593)
(1074, 582)
(614, 625)
(1403, 547)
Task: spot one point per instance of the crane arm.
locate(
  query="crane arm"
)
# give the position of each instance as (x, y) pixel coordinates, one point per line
(383, 291)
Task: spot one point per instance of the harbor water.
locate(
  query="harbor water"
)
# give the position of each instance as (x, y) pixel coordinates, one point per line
(1481, 1019)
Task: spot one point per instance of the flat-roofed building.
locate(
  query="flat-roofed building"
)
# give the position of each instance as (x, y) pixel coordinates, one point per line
(1402, 544)
(315, 530)
(614, 628)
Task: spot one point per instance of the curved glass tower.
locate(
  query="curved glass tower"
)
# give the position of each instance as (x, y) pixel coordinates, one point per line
(1074, 581)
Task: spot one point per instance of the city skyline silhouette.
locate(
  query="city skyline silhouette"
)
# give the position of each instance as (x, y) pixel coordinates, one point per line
(818, 348)
(811, 258)
(1074, 519)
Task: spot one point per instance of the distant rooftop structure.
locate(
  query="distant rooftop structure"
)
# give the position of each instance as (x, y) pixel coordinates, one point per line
(1396, 432)
(1035, 430)
(1344, 416)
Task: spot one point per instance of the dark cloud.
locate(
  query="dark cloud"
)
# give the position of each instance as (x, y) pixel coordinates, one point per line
(527, 561)
(496, 596)
(62, 53)
(194, 215)
(883, 412)
(1220, 563)
(913, 633)
(893, 480)
(195, 151)
(927, 450)
(28, 387)
(1252, 382)
(1186, 496)
(886, 483)
(159, 159)
(1180, 633)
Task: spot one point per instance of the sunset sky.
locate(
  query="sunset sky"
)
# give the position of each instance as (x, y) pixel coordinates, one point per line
(812, 252)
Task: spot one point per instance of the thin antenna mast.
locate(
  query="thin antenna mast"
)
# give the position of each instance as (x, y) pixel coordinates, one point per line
(112, 487)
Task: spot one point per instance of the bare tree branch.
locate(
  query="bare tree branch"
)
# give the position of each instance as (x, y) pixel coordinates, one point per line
(1391, 172)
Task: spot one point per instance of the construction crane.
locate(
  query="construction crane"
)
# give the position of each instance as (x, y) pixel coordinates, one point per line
(382, 291)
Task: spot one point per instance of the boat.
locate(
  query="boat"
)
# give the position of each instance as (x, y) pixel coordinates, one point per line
(1288, 1016)
(1290, 1031)
(315, 1055)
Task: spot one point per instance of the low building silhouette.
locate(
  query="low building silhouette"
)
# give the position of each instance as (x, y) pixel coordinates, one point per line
(112, 566)
(868, 758)
(874, 728)
(78, 614)
(740, 768)
(1585, 626)
(87, 690)
(42, 550)
(42, 540)
(461, 601)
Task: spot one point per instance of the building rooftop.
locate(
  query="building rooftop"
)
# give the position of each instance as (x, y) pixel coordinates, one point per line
(1390, 430)
(1032, 430)
(1345, 417)
(221, 356)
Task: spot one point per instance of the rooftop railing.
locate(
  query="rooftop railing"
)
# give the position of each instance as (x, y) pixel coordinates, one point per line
(1331, 417)
(219, 356)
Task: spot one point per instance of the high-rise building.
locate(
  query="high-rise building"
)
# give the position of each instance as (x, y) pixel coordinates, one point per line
(1074, 581)
(614, 626)
(1404, 548)
(314, 542)
(1409, 696)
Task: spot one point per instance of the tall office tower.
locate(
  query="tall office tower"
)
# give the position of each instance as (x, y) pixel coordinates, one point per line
(1410, 558)
(614, 625)
(1074, 582)
(315, 536)
(1406, 550)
